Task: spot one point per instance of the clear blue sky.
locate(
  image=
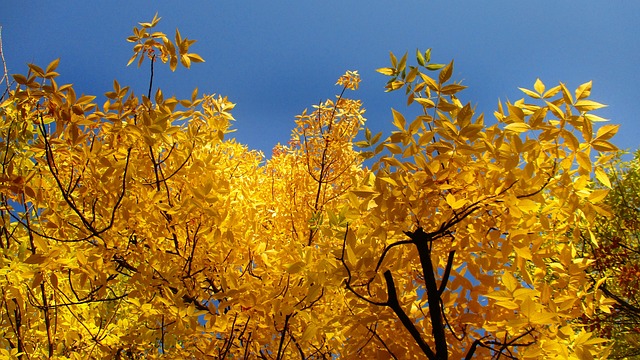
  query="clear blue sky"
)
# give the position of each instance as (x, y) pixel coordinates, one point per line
(275, 58)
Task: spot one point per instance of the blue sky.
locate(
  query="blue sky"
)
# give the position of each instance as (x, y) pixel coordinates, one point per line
(276, 58)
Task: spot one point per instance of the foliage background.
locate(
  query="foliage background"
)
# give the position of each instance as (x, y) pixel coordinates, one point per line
(260, 53)
(541, 160)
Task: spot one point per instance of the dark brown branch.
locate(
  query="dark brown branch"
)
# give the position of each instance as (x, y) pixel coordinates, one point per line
(375, 334)
(544, 186)
(423, 243)
(347, 281)
(285, 327)
(5, 72)
(447, 272)
(394, 304)
(389, 247)
(619, 300)
(153, 58)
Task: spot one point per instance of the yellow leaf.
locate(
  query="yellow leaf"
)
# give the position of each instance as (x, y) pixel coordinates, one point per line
(20, 79)
(452, 89)
(595, 118)
(528, 307)
(588, 105)
(583, 161)
(598, 195)
(603, 145)
(587, 130)
(53, 65)
(386, 71)
(295, 267)
(528, 205)
(603, 177)
(584, 90)
(195, 58)
(309, 333)
(425, 138)
(54, 280)
(411, 76)
(36, 70)
(389, 180)
(509, 281)
(523, 252)
(542, 318)
(431, 83)
(566, 94)
(185, 60)
(427, 103)
(393, 148)
(398, 119)
(445, 73)
(363, 192)
(539, 86)
(530, 93)
(508, 304)
(518, 127)
(606, 132)
(523, 293)
(552, 92)
(35, 259)
(455, 204)
(555, 110)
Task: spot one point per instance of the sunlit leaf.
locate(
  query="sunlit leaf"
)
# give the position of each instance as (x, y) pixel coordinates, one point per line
(588, 105)
(518, 127)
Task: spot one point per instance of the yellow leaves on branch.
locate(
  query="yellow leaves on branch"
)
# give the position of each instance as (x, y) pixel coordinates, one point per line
(350, 80)
(137, 227)
(157, 44)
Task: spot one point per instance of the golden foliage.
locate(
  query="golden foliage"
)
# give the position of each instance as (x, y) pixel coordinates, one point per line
(135, 229)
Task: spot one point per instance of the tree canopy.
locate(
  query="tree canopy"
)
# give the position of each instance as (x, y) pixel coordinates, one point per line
(136, 228)
(616, 255)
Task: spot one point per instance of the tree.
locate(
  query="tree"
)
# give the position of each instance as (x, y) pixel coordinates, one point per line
(135, 229)
(613, 242)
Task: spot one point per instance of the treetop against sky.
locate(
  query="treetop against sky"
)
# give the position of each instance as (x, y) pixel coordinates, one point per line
(135, 226)
(261, 53)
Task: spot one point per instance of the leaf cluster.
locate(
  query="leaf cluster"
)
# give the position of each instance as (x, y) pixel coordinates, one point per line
(137, 229)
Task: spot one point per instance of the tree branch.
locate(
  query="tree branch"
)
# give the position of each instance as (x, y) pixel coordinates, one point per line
(394, 304)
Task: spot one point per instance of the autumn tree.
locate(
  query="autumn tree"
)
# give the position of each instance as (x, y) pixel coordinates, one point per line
(465, 237)
(135, 228)
(612, 241)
